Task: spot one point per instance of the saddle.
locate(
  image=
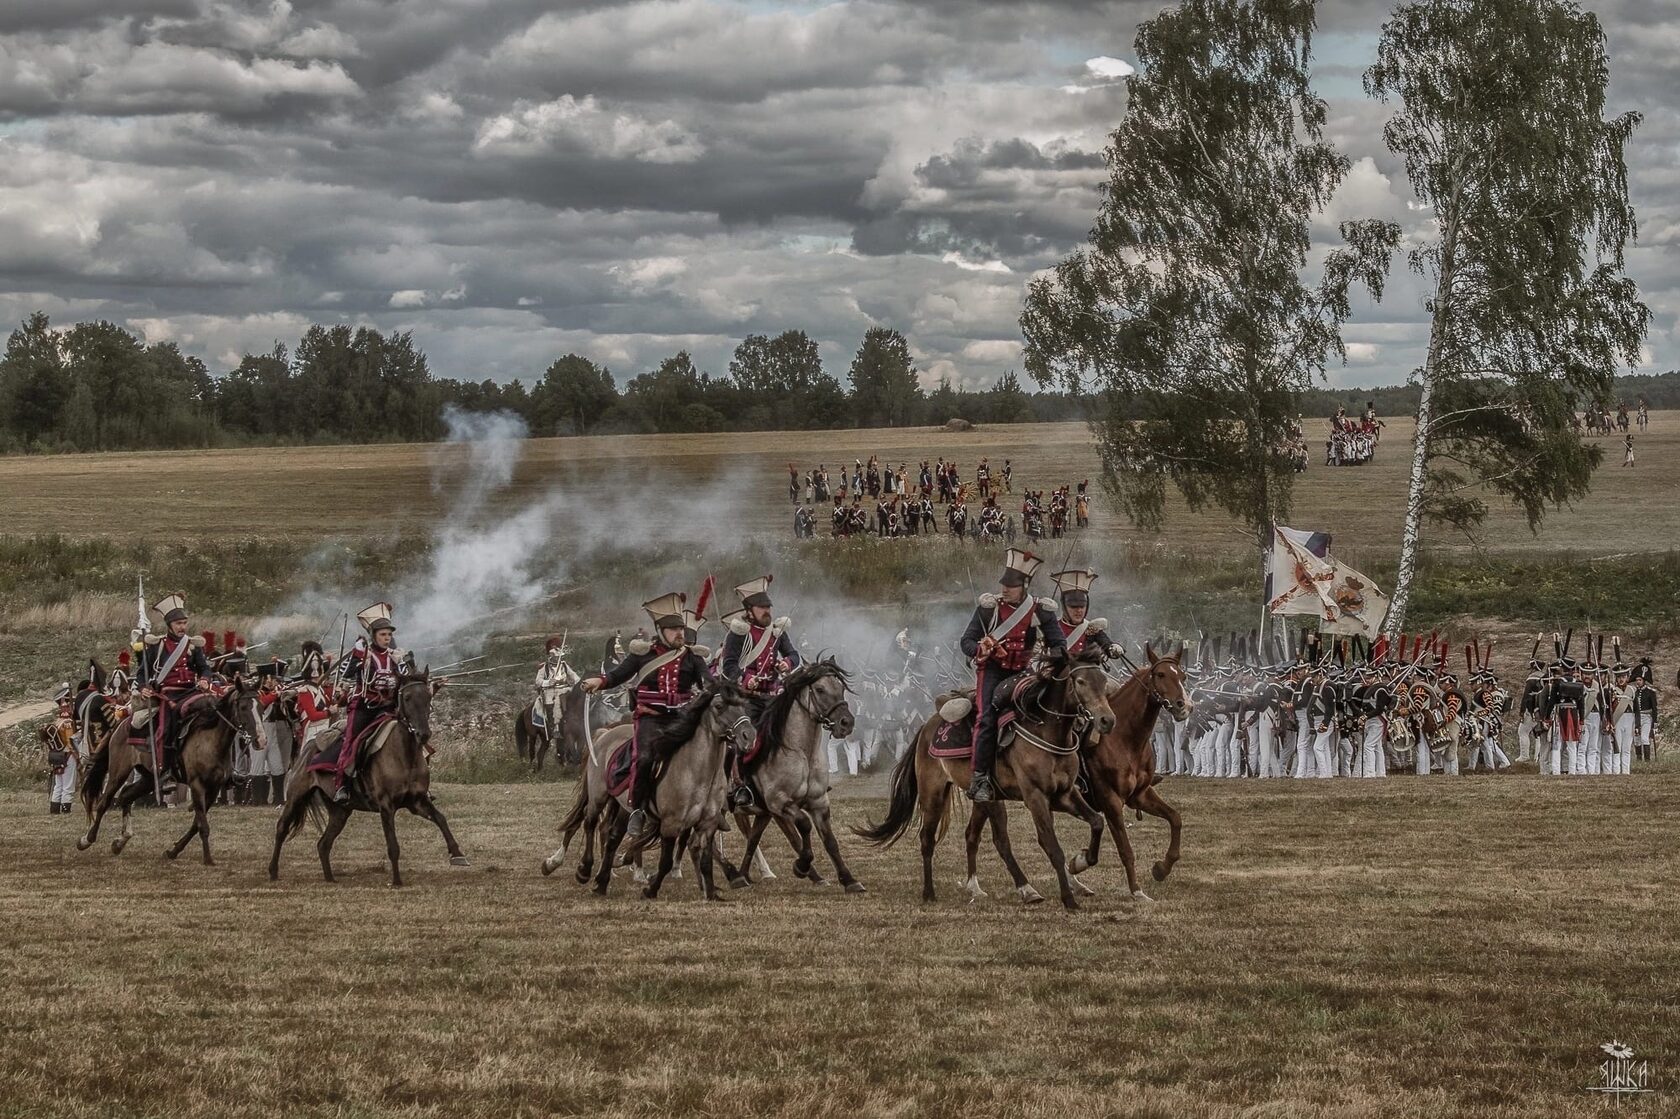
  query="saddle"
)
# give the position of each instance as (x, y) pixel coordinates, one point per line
(369, 743)
(954, 736)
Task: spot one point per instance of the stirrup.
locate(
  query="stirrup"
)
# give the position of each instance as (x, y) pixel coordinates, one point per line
(980, 789)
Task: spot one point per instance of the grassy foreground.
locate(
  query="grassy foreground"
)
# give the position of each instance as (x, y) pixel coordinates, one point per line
(1342, 948)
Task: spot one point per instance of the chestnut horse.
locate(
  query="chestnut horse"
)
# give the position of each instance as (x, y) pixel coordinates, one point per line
(1121, 765)
(1040, 768)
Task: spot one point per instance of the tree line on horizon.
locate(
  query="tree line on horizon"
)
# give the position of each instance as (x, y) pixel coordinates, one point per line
(96, 386)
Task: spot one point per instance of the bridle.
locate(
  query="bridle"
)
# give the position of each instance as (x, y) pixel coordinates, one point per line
(1081, 715)
(825, 719)
(402, 715)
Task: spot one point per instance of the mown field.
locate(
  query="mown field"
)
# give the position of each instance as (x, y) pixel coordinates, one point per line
(1451, 947)
(1411, 947)
(276, 492)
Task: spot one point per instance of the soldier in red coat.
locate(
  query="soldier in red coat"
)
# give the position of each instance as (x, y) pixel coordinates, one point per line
(173, 669)
(1079, 630)
(1000, 639)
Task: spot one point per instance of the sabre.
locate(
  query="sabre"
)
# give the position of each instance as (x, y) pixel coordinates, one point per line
(478, 671)
(452, 664)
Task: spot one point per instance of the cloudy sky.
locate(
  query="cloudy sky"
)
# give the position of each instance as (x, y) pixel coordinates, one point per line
(513, 179)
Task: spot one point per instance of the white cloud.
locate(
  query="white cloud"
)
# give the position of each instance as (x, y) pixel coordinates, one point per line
(975, 265)
(1107, 68)
(572, 124)
(1362, 353)
(410, 297)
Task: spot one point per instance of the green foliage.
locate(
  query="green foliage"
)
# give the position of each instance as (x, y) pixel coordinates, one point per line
(884, 388)
(574, 395)
(782, 384)
(1188, 311)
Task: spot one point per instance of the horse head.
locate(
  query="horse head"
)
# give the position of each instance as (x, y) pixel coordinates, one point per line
(731, 712)
(414, 704)
(824, 687)
(1086, 687)
(1164, 681)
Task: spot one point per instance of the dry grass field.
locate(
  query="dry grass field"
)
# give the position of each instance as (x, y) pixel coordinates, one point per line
(1400, 948)
(167, 495)
(1404, 948)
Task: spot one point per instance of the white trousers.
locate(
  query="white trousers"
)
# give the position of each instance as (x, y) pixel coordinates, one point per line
(1592, 744)
(1371, 760)
(1324, 751)
(1268, 763)
(1623, 757)
(64, 784)
(1525, 738)
(843, 747)
(1183, 763)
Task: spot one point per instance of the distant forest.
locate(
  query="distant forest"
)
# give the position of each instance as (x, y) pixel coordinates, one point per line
(97, 387)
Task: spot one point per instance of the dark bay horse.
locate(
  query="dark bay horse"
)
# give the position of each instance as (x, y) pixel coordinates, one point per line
(1121, 766)
(206, 764)
(394, 778)
(1040, 768)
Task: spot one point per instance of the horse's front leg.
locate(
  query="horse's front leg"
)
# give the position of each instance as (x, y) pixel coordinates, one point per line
(199, 824)
(388, 821)
(824, 823)
(1114, 808)
(998, 813)
(1150, 801)
(754, 831)
(125, 801)
(667, 855)
(428, 809)
(1039, 806)
(102, 805)
(1077, 805)
(971, 851)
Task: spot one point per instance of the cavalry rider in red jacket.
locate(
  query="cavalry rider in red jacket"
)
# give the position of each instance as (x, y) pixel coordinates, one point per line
(1000, 639)
(664, 674)
(757, 655)
(370, 671)
(1079, 630)
(173, 669)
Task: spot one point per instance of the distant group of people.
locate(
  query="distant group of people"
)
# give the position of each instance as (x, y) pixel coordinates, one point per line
(1352, 441)
(905, 503)
(1601, 421)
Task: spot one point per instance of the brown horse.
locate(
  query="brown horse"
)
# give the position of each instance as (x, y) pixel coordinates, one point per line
(396, 776)
(1121, 765)
(206, 765)
(1040, 768)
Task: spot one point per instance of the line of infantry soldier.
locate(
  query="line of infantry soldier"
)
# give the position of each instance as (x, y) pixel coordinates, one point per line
(1358, 710)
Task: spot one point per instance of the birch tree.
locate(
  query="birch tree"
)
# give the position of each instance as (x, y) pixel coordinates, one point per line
(1501, 127)
(1188, 313)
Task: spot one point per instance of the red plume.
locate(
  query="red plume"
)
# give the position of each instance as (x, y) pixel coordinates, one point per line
(123, 658)
(228, 639)
(1470, 658)
(209, 641)
(705, 599)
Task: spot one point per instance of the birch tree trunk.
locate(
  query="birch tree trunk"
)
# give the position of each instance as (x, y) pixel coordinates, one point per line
(1409, 534)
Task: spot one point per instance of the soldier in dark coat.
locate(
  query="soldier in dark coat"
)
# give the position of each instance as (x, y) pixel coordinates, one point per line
(1000, 639)
(173, 669)
(664, 674)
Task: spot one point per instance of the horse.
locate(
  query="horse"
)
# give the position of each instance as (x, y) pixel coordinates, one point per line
(582, 716)
(394, 777)
(690, 794)
(531, 741)
(205, 761)
(790, 772)
(1121, 766)
(1040, 768)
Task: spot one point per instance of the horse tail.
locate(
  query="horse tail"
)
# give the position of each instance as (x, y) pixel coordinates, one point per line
(315, 811)
(580, 804)
(93, 777)
(901, 806)
(522, 736)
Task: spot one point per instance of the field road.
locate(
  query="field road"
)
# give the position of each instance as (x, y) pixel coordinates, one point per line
(337, 491)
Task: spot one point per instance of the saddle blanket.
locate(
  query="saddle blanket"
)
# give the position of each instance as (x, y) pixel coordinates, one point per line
(956, 740)
(369, 744)
(619, 769)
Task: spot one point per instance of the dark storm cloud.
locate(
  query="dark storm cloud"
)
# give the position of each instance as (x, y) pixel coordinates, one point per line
(514, 178)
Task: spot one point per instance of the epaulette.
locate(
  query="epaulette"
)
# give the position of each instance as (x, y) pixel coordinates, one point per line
(780, 625)
(1096, 625)
(1048, 603)
(152, 638)
(197, 642)
(639, 646)
(739, 626)
(701, 651)
(988, 601)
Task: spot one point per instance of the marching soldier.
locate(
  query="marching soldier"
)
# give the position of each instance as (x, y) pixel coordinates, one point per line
(1001, 637)
(664, 673)
(370, 671)
(1622, 721)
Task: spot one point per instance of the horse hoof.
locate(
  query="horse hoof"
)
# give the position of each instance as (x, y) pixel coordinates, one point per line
(739, 883)
(459, 860)
(548, 868)
(975, 893)
(170, 855)
(208, 861)
(856, 888)
(1071, 904)
(598, 890)
(648, 894)
(1139, 895)
(83, 843)
(117, 846)
(1029, 895)
(1079, 865)
(767, 876)
(1159, 870)
(583, 875)
(1080, 888)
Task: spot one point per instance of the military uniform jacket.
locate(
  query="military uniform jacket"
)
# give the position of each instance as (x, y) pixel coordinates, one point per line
(189, 668)
(670, 686)
(1014, 649)
(1323, 706)
(1563, 693)
(1094, 636)
(1645, 700)
(765, 671)
(1534, 689)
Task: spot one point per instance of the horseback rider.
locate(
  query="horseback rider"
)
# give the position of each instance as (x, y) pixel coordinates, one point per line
(1073, 587)
(554, 679)
(173, 669)
(1000, 639)
(370, 671)
(665, 673)
(758, 654)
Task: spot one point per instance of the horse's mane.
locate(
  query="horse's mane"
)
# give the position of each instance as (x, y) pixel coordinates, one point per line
(667, 739)
(772, 722)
